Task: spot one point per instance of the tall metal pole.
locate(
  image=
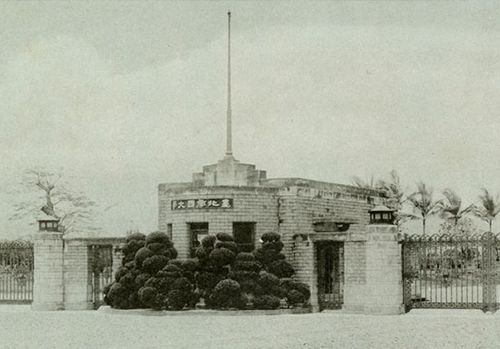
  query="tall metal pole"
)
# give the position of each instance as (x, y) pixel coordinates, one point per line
(229, 145)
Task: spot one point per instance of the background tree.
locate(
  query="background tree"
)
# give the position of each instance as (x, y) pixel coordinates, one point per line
(465, 226)
(370, 183)
(423, 204)
(450, 208)
(488, 208)
(42, 190)
(395, 195)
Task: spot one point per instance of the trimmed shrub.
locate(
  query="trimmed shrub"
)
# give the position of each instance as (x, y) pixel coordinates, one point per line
(245, 256)
(154, 264)
(141, 279)
(270, 237)
(226, 294)
(253, 266)
(158, 237)
(135, 236)
(120, 272)
(206, 281)
(208, 241)
(118, 296)
(177, 300)
(131, 248)
(294, 297)
(182, 284)
(148, 296)
(224, 237)
(141, 255)
(230, 245)
(281, 268)
(161, 284)
(172, 271)
(191, 264)
(221, 257)
(266, 302)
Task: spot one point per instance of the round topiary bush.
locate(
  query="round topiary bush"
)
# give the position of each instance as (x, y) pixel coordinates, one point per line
(208, 241)
(226, 294)
(270, 237)
(245, 256)
(141, 279)
(221, 257)
(148, 296)
(294, 297)
(224, 237)
(118, 296)
(130, 249)
(281, 268)
(158, 237)
(154, 264)
(177, 300)
(266, 302)
(206, 281)
(135, 236)
(141, 255)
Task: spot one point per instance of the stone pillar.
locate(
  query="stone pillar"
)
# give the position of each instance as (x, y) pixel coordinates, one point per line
(48, 287)
(180, 234)
(76, 274)
(383, 292)
(354, 276)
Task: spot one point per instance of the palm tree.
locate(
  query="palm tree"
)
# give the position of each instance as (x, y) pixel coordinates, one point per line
(361, 183)
(423, 203)
(488, 208)
(451, 207)
(395, 195)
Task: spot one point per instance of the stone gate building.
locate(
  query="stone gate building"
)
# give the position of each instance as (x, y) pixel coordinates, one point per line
(323, 225)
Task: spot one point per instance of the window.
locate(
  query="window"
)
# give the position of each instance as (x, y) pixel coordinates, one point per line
(244, 235)
(169, 230)
(197, 231)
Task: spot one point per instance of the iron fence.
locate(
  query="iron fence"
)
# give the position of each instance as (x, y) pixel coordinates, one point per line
(444, 271)
(16, 271)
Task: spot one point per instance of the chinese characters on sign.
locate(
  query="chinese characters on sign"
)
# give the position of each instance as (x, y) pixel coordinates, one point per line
(201, 203)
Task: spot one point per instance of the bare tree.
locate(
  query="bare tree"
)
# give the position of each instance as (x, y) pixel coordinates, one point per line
(488, 208)
(423, 203)
(42, 190)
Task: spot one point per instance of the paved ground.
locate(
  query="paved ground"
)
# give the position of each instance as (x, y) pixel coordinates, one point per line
(90, 329)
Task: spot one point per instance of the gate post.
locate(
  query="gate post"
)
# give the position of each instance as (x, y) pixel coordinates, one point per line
(489, 272)
(383, 290)
(48, 285)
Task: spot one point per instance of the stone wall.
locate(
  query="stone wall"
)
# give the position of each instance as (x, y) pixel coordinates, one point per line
(61, 274)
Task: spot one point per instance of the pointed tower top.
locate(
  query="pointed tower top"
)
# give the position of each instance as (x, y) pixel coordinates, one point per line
(229, 141)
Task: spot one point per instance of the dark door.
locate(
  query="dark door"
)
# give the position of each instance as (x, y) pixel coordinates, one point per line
(100, 272)
(330, 274)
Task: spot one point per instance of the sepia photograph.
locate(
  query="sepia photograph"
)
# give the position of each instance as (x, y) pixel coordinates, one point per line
(249, 174)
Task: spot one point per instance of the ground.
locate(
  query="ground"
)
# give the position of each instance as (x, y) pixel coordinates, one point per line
(96, 329)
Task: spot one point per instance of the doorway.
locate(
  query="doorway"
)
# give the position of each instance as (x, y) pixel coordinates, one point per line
(330, 259)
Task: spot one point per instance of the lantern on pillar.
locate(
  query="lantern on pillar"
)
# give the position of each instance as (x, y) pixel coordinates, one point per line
(48, 223)
(382, 215)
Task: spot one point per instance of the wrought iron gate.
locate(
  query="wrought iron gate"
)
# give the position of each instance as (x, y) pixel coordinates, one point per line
(16, 271)
(330, 274)
(443, 271)
(100, 272)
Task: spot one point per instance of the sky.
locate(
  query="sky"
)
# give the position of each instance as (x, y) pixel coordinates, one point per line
(126, 95)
